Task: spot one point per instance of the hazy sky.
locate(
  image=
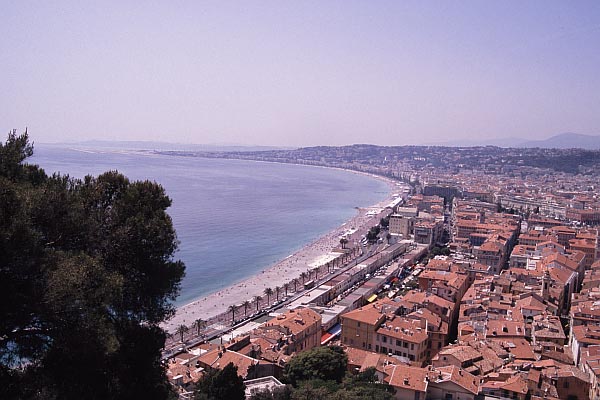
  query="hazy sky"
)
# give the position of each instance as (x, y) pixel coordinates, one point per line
(299, 73)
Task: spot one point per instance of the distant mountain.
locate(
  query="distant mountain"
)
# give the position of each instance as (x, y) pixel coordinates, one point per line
(566, 141)
(562, 141)
(500, 142)
(148, 145)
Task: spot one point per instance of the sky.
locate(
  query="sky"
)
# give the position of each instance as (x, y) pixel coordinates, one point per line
(299, 73)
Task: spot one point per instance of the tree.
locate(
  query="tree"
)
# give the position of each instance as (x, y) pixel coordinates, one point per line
(343, 242)
(286, 287)
(303, 276)
(277, 292)
(295, 282)
(276, 393)
(313, 390)
(316, 271)
(257, 300)
(87, 275)
(325, 363)
(232, 309)
(364, 385)
(268, 292)
(246, 305)
(220, 385)
(181, 331)
(199, 324)
(384, 222)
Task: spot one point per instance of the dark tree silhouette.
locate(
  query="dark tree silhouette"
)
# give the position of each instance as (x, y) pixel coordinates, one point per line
(268, 292)
(257, 300)
(232, 309)
(181, 331)
(220, 385)
(246, 305)
(87, 275)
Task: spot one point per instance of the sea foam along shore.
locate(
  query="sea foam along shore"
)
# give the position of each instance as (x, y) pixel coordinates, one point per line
(281, 272)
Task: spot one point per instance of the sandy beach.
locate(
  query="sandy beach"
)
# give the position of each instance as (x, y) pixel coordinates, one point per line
(278, 274)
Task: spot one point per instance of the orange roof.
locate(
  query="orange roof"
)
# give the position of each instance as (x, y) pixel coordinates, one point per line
(454, 374)
(295, 320)
(404, 329)
(371, 314)
(405, 377)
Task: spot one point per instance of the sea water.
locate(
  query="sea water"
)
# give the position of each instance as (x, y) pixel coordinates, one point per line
(233, 218)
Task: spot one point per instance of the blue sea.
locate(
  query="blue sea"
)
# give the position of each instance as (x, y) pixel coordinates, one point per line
(233, 218)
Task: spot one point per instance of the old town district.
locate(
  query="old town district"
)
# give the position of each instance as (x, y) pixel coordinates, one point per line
(465, 298)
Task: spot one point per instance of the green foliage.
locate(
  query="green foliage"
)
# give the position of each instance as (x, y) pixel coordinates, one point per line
(439, 251)
(87, 274)
(361, 386)
(313, 390)
(220, 385)
(384, 222)
(277, 393)
(324, 363)
(364, 386)
(373, 233)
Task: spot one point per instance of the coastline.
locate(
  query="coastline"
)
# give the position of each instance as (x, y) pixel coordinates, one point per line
(283, 271)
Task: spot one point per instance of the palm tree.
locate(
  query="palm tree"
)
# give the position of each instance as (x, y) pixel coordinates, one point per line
(232, 309)
(303, 277)
(316, 273)
(246, 304)
(295, 282)
(200, 324)
(257, 300)
(277, 292)
(343, 242)
(286, 287)
(182, 330)
(268, 292)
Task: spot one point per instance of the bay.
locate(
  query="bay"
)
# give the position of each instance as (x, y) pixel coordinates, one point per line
(233, 218)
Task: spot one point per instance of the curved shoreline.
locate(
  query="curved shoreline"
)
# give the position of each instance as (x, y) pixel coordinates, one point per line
(283, 271)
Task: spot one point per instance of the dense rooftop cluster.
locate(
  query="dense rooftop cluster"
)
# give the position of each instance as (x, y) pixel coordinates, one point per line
(486, 283)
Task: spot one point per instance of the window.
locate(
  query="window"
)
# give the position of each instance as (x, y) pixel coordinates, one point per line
(384, 339)
(412, 346)
(566, 384)
(448, 396)
(377, 348)
(398, 343)
(369, 346)
(358, 324)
